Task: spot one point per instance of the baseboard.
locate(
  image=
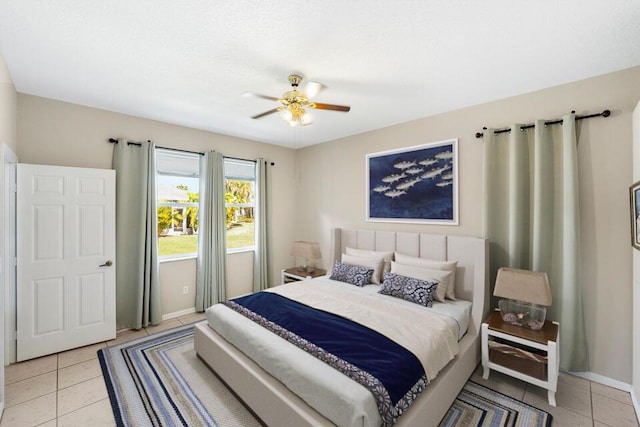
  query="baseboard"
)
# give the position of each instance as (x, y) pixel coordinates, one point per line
(601, 379)
(168, 316)
(178, 313)
(636, 406)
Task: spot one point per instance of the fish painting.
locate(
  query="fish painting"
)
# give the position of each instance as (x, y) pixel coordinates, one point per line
(428, 162)
(414, 184)
(413, 171)
(393, 178)
(395, 193)
(408, 184)
(381, 188)
(404, 165)
(445, 155)
(433, 173)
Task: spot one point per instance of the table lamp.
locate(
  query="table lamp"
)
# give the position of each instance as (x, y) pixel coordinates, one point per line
(308, 251)
(528, 296)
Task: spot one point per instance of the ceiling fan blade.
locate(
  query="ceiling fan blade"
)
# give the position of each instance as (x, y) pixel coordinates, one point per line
(257, 95)
(312, 89)
(333, 107)
(266, 113)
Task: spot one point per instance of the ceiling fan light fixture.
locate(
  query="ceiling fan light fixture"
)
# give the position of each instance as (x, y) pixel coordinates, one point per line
(294, 103)
(295, 114)
(287, 115)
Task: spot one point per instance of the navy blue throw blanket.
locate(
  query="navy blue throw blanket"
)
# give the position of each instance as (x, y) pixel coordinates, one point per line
(392, 373)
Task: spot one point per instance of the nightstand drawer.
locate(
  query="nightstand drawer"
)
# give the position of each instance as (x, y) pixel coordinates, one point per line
(518, 359)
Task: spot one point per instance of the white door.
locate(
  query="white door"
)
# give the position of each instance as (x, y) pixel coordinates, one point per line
(9, 263)
(8, 274)
(66, 249)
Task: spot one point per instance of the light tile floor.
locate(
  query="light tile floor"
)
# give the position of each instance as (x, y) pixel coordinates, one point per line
(579, 402)
(67, 389)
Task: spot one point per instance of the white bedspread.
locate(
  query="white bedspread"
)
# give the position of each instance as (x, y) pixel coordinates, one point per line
(337, 397)
(459, 310)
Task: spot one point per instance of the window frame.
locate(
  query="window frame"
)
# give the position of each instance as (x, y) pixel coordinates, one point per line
(184, 205)
(252, 205)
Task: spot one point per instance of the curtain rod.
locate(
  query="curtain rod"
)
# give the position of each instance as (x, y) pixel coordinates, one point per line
(115, 141)
(605, 113)
(247, 160)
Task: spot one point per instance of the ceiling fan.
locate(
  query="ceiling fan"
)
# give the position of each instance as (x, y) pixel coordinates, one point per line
(294, 102)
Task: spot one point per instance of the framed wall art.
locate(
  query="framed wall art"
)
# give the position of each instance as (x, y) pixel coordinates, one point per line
(415, 184)
(634, 196)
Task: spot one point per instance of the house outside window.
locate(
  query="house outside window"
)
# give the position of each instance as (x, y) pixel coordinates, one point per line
(177, 198)
(240, 186)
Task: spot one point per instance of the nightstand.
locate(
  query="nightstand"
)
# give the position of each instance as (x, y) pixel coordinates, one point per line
(532, 356)
(294, 274)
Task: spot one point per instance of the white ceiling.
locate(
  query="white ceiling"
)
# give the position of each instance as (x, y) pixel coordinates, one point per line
(188, 62)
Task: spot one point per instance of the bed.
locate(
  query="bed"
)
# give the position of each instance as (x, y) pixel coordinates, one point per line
(276, 404)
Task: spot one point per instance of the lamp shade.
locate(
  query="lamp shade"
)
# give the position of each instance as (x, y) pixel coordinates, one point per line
(306, 250)
(523, 285)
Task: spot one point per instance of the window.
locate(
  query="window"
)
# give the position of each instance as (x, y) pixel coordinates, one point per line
(240, 185)
(178, 194)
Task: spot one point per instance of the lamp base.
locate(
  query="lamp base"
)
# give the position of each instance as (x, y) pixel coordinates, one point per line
(523, 314)
(306, 268)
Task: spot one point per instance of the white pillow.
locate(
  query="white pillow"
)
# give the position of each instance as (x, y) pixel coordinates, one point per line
(440, 276)
(432, 265)
(377, 263)
(387, 256)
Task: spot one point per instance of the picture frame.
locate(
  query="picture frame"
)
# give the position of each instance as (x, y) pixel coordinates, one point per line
(634, 203)
(417, 184)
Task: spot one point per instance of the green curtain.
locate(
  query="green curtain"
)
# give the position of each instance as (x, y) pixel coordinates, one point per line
(137, 271)
(212, 248)
(531, 217)
(260, 264)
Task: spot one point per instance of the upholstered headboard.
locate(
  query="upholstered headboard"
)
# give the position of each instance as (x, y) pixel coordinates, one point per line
(472, 254)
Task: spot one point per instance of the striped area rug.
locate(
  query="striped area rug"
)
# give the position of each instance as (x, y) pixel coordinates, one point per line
(160, 381)
(478, 406)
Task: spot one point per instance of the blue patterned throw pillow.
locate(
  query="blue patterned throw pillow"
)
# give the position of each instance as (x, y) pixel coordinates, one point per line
(409, 288)
(353, 274)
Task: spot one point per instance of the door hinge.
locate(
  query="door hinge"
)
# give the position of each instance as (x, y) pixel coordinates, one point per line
(15, 336)
(14, 187)
(15, 262)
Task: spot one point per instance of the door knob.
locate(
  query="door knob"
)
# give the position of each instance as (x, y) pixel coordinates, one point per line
(107, 264)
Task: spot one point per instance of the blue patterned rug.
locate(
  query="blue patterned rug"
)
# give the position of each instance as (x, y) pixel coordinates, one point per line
(479, 406)
(160, 381)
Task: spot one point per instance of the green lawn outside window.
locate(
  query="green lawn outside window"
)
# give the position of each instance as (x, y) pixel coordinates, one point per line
(240, 235)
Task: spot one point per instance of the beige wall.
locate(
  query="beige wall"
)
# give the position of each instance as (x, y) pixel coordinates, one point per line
(8, 108)
(58, 133)
(331, 186)
(175, 275)
(636, 266)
